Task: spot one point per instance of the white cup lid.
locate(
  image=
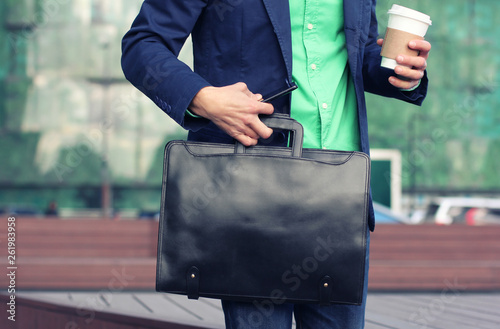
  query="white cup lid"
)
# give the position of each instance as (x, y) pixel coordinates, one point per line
(410, 13)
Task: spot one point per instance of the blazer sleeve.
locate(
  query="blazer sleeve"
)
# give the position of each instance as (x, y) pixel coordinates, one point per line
(149, 54)
(375, 77)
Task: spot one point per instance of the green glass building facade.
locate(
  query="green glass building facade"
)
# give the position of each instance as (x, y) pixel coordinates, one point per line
(71, 126)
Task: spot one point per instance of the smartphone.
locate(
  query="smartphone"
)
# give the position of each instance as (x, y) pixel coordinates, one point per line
(279, 94)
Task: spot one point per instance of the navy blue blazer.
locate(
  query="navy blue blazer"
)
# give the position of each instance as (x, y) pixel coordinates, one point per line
(241, 41)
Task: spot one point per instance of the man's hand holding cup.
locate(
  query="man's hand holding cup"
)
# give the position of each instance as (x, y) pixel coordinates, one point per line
(404, 48)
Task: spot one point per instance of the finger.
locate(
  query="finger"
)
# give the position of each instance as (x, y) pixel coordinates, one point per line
(250, 132)
(244, 134)
(265, 108)
(258, 126)
(422, 46)
(409, 73)
(261, 129)
(253, 126)
(403, 84)
(238, 128)
(418, 62)
(380, 42)
(245, 140)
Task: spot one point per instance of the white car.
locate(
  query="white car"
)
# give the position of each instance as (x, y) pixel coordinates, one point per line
(472, 211)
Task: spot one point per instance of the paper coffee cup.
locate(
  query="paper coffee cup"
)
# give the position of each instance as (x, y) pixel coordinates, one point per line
(405, 24)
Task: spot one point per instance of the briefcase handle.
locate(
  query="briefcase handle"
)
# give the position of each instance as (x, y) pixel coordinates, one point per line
(285, 122)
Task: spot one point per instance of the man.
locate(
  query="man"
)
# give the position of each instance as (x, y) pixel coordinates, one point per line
(244, 49)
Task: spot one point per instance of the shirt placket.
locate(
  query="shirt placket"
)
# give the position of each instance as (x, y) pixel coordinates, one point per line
(314, 65)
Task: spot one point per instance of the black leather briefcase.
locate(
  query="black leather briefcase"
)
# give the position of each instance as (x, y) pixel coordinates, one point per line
(263, 223)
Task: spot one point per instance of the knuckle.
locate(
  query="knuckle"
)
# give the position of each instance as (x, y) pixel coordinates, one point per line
(246, 120)
(252, 108)
(241, 85)
(233, 132)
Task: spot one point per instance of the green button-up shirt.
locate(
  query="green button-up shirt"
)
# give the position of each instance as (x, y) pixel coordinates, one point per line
(325, 102)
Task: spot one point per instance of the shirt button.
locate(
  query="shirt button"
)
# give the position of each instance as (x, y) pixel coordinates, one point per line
(325, 106)
(310, 26)
(313, 66)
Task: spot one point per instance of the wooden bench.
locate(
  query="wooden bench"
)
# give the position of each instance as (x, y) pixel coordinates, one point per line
(83, 253)
(121, 255)
(431, 257)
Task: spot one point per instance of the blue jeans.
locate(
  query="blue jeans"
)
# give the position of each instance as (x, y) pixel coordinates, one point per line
(240, 315)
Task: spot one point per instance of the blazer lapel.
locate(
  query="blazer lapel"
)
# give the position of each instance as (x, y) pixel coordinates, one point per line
(352, 26)
(279, 14)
